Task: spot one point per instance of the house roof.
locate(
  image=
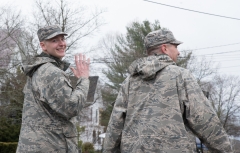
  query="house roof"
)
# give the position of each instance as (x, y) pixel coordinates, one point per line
(92, 86)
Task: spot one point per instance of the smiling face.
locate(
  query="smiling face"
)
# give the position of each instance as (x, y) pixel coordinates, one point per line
(55, 46)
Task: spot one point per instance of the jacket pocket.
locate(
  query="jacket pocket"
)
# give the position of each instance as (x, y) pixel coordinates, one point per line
(69, 130)
(70, 133)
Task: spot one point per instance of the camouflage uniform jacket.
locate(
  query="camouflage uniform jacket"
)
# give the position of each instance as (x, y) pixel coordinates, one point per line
(156, 106)
(49, 104)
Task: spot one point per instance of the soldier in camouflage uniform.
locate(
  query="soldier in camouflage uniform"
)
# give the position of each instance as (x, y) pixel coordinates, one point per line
(160, 105)
(50, 100)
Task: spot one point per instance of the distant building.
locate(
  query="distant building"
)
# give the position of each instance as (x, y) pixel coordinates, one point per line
(89, 117)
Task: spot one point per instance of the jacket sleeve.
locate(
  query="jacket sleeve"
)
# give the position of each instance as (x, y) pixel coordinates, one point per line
(58, 93)
(200, 116)
(113, 136)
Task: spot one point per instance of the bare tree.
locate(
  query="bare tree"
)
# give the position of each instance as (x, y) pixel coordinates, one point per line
(224, 94)
(202, 68)
(9, 26)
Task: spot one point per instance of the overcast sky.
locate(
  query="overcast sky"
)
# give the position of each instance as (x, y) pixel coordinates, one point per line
(196, 30)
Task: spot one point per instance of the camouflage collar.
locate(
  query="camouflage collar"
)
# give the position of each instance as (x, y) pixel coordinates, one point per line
(147, 67)
(63, 65)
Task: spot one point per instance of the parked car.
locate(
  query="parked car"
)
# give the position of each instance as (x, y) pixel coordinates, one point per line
(200, 146)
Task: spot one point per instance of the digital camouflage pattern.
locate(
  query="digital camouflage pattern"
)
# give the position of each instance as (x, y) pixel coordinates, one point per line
(159, 37)
(49, 104)
(156, 106)
(49, 32)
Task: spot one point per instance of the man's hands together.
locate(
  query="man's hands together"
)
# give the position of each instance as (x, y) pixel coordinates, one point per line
(82, 66)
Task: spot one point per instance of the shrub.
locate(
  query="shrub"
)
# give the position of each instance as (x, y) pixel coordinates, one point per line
(9, 132)
(8, 147)
(87, 147)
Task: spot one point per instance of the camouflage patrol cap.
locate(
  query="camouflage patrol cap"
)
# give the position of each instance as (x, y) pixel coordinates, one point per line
(159, 37)
(49, 32)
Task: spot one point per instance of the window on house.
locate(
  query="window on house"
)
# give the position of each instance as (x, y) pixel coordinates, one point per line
(90, 117)
(96, 115)
(99, 139)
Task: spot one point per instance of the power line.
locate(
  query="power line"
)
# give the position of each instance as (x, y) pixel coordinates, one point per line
(220, 53)
(229, 60)
(230, 66)
(211, 47)
(192, 10)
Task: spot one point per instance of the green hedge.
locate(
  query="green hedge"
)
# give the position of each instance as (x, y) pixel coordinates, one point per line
(87, 147)
(9, 131)
(8, 147)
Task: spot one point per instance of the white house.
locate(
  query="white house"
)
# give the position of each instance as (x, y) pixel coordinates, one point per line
(89, 117)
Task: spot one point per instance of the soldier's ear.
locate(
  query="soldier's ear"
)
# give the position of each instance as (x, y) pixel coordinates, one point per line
(43, 45)
(164, 48)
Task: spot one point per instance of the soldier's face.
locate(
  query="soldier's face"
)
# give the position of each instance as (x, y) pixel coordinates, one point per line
(55, 46)
(172, 51)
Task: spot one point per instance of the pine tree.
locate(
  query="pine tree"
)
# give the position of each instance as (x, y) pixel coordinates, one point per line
(11, 107)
